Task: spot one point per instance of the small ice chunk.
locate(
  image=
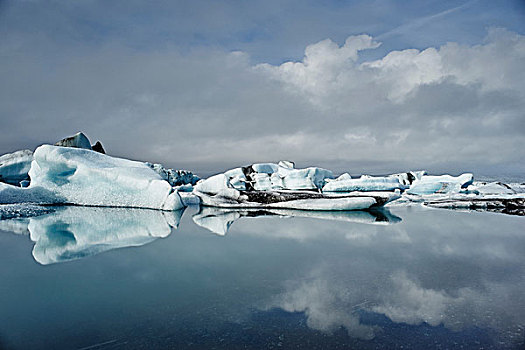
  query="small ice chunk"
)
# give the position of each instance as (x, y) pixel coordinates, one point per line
(79, 140)
(174, 177)
(286, 164)
(15, 166)
(440, 184)
(490, 188)
(365, 183)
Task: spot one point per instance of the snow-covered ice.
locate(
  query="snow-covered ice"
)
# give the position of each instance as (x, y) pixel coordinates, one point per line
(440, 184)
(219, 192)
(281, 176)
(364, 183)
(84, 177)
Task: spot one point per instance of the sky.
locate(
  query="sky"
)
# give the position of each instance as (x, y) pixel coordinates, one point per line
(354, 86)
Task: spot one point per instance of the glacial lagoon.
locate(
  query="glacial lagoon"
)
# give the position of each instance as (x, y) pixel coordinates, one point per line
(405, 277)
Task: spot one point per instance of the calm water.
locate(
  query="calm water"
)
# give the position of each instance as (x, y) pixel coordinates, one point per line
(414, 278)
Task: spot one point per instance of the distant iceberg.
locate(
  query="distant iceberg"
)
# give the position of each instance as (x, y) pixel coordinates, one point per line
(254, 187)
(76, 172)
(14, 167)
(440, 184)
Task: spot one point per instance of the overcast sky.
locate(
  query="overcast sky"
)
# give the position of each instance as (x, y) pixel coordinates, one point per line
(358, 86)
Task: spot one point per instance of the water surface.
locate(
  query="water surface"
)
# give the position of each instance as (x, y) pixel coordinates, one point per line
(94, 278)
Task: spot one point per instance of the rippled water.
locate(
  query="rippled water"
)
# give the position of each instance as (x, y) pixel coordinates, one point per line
(100, 278)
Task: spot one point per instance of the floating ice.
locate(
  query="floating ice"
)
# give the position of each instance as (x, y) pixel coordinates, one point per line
(84, 177)
(511, 205)
(77, 232)
(10, 211)
(15, 166)
(282, 176)
(364, 183)
(440, 184)
(217, 191)
(175, 177)
(490, 188)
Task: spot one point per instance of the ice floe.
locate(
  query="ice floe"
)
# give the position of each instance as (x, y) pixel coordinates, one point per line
(440, 184)
(218, 191)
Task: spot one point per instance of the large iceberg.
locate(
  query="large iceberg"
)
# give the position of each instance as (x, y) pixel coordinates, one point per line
(218, 191)
(84, 177)
(15, 166)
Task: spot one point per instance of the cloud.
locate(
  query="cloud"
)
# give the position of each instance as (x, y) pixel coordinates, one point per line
(449, 109)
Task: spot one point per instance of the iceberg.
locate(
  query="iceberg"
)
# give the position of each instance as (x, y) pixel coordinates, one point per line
(511, 205)
(175, 177)
(364, 183)
(218, 191)
(84, 177)
(483, 188)
(73, 233)
(15, 166)
(219, 220)
(345, 183)
(97, 147)
(79, 140)
(440, 184)
(282, 176)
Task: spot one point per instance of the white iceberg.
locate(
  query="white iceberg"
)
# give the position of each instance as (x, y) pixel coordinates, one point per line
(364, 183)
(440, 184)
(490, 188)
(85, 177)
(218, 191)
(15, 166)
(345, 183)
(282, 176)
(76, 232)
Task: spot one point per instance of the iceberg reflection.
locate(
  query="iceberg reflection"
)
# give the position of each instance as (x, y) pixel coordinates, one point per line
(73, 233)
(219, 220)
